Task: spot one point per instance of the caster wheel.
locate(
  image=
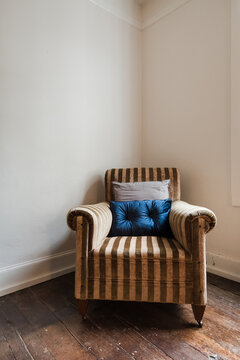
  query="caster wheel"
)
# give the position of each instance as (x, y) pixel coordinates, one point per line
(200, 324)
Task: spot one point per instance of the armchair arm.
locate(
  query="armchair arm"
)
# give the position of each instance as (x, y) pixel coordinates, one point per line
(182, 217)
(189, 225)
(98, 216)
(92, 224)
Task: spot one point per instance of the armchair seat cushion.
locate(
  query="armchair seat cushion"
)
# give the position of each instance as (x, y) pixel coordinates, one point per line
(129, 267)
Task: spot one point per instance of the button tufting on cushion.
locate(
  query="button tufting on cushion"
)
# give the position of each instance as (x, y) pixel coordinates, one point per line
(139, 218)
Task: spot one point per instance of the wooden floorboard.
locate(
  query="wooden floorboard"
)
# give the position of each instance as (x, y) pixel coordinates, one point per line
(42, 323)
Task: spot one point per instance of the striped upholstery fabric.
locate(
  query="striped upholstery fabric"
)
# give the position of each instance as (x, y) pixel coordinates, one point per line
(143, 174)
(142, 268)
(189, 224)
(181, 216)
(198, 229)
(99, 217)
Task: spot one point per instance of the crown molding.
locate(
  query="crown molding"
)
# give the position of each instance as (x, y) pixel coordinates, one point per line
(133, 21)
(119, 13)
(162, 13)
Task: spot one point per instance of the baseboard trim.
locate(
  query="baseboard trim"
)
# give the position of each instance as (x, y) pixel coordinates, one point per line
(224, 266)
(28, 273)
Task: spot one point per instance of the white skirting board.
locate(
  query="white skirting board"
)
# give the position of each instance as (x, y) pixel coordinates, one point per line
(23, 275)
(20, 276)
(224, 266)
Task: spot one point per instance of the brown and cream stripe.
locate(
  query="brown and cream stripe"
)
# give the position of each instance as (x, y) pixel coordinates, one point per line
(180, 218)
(99, 217)
(199, 261)
(143, 174)
(142, 268)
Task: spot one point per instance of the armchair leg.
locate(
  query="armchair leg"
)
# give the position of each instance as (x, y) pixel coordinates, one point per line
(198, 311)
(82, 307)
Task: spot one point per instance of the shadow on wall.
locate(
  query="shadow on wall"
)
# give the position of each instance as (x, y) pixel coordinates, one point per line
(62, 258)
(62, 255)
(95, 190)
(66, 245)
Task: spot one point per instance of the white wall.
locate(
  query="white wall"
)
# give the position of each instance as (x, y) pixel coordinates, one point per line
(235, 103)
(186, 115)
(70, 90)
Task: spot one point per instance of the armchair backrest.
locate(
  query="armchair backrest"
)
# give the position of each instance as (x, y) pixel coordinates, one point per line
(143, 174)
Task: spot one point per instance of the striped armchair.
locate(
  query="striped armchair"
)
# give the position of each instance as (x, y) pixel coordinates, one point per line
(142, 268)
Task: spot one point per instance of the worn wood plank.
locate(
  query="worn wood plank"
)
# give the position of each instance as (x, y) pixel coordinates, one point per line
(158, 330)
(100, 344)
(224, 300)
(14, 345)
(127, 336)
(52, 332)
(225, 284)
(106, 331)
(207, 339)
(42, 323)
(25, 331)
(219, 333)
(5, 348)
(109, 329)
(177, 325)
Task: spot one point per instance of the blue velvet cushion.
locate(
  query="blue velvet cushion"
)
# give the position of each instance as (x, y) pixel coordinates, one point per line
(141, 218)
